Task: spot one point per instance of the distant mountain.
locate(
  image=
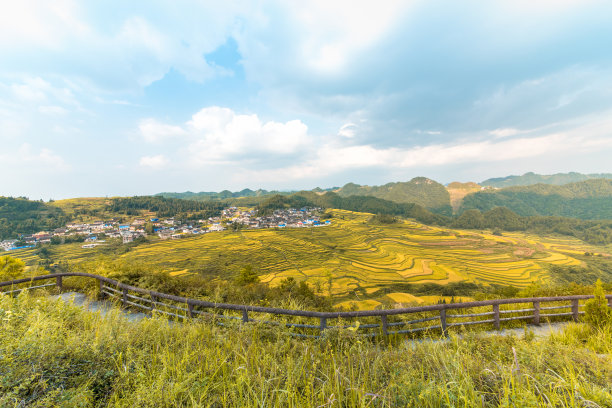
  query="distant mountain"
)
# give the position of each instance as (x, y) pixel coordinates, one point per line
(590, 199)
(530, 178)
(420, 190)
(459, 190)
(222, 195)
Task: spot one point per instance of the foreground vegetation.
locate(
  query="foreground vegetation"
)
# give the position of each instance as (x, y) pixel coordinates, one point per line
(56, 354)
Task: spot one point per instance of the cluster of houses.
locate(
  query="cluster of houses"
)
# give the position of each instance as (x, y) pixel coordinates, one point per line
(286, 218)
(95, 233)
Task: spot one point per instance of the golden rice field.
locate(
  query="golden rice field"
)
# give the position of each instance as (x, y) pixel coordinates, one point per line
(354, 258)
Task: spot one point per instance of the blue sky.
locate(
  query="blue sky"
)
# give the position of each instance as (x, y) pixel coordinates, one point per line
(121, 98)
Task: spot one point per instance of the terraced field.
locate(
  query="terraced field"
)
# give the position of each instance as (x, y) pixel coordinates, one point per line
(353, 258)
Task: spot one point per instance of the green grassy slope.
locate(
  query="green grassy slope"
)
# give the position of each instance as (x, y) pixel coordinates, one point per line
(56, 354)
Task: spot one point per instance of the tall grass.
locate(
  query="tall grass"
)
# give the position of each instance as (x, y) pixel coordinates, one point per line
(56, 354)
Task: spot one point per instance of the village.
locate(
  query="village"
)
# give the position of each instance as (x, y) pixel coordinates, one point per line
(97, 232)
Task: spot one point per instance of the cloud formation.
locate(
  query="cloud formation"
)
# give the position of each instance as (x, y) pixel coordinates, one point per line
(216, 134)
(322, 92)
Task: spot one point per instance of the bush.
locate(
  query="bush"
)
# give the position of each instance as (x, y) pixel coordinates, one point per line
(597, 313)
(10, 268)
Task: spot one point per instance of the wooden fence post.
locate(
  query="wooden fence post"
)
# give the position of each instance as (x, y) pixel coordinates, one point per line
(610, 302)
(245, 315)
(101, 285)
(153, 300)
(124, 299)
(575, 309)
(58, 282)
(496, 316)
(536, 313)
(443, 322)
(190, 310)
(384, 324)
(323, 325)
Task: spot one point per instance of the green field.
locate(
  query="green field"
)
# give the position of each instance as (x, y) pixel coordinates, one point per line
(353, 257)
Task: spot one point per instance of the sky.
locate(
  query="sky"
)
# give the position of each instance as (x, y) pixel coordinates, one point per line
(107, 98)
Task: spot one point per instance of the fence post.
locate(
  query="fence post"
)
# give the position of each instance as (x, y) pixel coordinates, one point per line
(536, 313)
(323, 325)
(610, 302)
(443, 322)
(125, 293)
(190, 310)
(58, 282)
(384, 324)
(245, 315)
(496, 315)
(153, 300)
(101, 285)
(575, 309)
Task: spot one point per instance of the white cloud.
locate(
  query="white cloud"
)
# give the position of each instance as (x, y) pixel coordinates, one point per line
(216, 134)
(153, 131)
(347, 130)
(500, 133)
(330, 158)
(27, 158)
(52, 110)
(156, 162)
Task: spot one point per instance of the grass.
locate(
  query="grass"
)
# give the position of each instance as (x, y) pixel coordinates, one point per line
(353, 259)
(56, 354)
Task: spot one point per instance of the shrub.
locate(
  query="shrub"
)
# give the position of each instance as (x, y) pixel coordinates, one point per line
(597, 313)
(10, 268)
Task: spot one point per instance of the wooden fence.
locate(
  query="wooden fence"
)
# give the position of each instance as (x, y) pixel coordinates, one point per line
(434, 319)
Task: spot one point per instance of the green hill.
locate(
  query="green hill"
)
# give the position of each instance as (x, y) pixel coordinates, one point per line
(591, 199)
(23, 216)
(420, 190)
(533, 178)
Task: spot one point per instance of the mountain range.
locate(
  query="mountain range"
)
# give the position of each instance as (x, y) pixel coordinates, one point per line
(533, 178)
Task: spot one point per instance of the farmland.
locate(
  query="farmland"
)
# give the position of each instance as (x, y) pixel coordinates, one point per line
(353, 259)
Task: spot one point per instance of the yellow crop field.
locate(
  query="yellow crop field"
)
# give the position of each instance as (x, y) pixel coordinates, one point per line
(352, 258)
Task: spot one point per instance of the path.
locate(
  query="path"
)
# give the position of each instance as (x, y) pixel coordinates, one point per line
(104, 307)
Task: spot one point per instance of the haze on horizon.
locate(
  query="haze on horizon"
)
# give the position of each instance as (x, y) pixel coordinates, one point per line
(124, 98)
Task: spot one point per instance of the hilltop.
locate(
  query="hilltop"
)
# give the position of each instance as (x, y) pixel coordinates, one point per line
(533, 178)
(420, 190)
(458, 191)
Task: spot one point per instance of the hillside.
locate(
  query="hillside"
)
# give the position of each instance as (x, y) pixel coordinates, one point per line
(533, 178)
(354, 258)
(458, 190)
(591, 199)
(23, 216)
(56, 354)
(420, 190)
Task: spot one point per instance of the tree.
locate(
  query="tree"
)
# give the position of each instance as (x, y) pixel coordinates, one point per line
(10, 268)
(247, 275)
(597, 313)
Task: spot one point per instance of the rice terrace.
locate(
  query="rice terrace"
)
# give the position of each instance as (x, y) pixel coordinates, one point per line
(360, 263)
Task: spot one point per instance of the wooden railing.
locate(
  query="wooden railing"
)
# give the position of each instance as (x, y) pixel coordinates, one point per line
(434, 319)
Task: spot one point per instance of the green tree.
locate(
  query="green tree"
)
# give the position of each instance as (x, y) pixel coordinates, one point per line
(10, 268)
(247, 276)
(597, 313)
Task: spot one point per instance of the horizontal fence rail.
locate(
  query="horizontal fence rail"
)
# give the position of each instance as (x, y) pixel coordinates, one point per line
(435, 319)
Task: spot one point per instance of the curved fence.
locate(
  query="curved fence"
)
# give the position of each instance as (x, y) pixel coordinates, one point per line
(435, 319)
